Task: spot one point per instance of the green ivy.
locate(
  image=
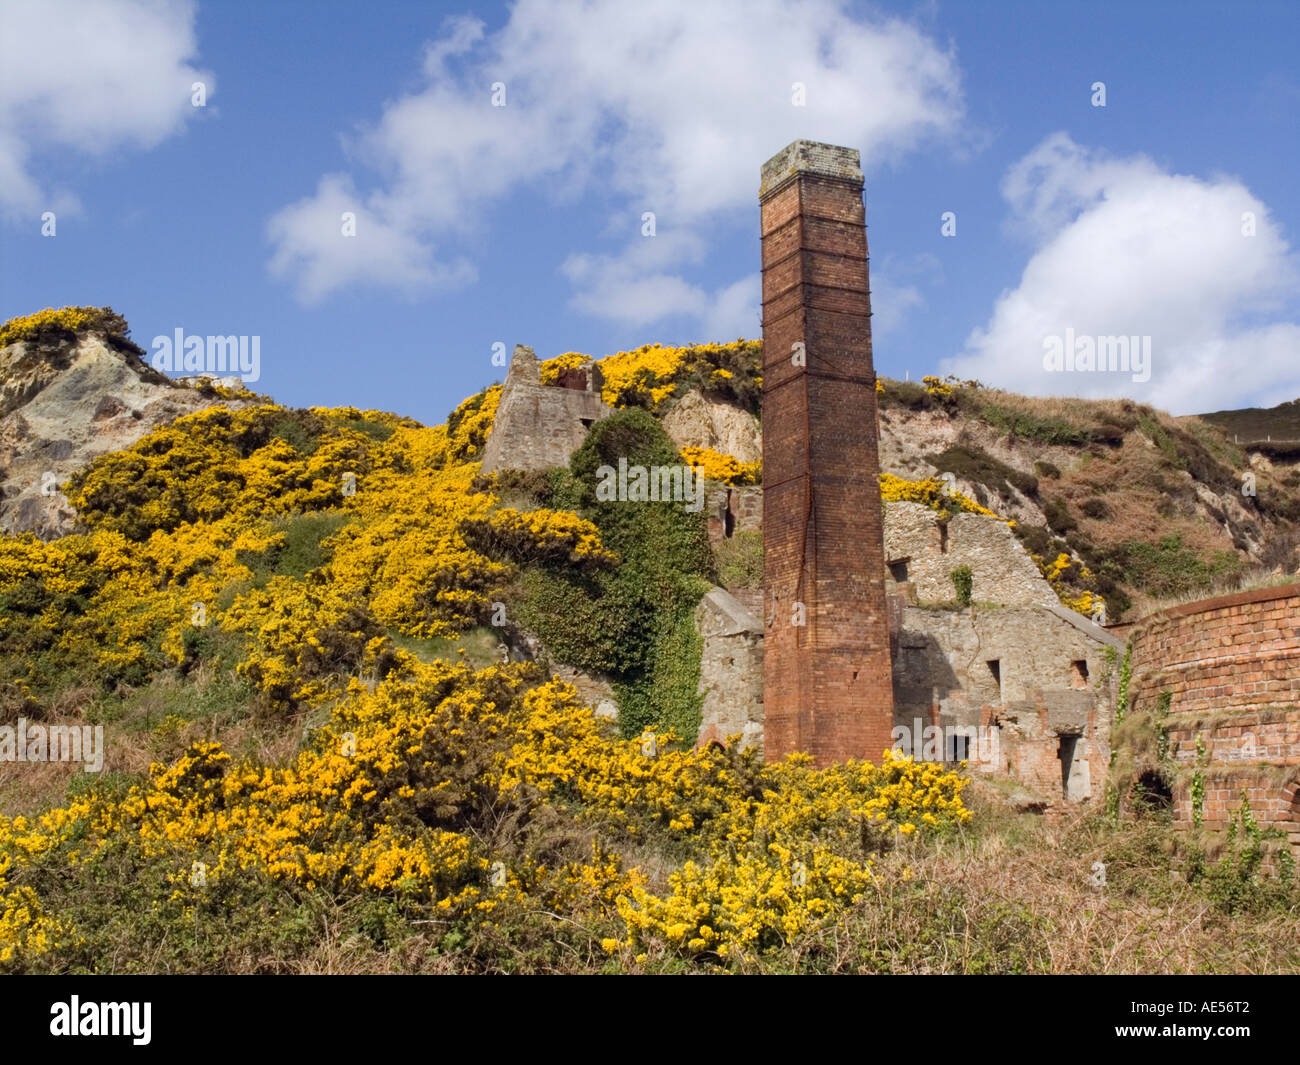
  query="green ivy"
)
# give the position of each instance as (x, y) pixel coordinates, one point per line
(1198, 782)
(635, 622)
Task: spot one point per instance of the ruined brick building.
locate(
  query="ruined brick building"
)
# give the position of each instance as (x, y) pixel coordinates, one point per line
(856, 633)
(1227, 671)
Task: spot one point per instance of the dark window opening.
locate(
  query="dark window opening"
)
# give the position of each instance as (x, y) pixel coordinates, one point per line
(898, 570)
(728, 523)
(586, 422)
(1152, 792)
(943, 537)
(1080, 669)
(956, 747)
(995, 669)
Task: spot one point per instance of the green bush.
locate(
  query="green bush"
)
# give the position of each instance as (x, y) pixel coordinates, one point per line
(739, 560)
(982, 468)
(963, 580)
(1169, 568)
(1032, 427)
(304, 548)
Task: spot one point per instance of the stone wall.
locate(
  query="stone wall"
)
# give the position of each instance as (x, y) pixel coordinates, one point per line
(923, 552)
(731, 510)
(1232, 667)
(1038, 675)
(539, 426)
(731, 670)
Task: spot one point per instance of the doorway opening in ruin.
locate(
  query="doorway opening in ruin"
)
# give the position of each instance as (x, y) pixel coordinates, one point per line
(995, 668)
(1066, 754)
(1079, 669)
(729, 516)
(898, 570)
(956, 747)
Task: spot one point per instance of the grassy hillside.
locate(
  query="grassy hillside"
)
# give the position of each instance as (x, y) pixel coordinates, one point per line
(1254, 424)
(1145, 507)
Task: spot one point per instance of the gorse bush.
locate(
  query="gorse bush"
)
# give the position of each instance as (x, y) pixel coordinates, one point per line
(648, 376)
(51, 324)
(463, 799)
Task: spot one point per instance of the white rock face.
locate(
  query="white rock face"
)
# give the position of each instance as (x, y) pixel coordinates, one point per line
(63, 406)
(697, 422)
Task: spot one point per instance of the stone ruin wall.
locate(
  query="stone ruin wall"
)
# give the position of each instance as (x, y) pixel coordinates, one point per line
(1056, 680)
(1232, 667)
(1040, 675)
(731, 670)
(929, 550)
(538, 426)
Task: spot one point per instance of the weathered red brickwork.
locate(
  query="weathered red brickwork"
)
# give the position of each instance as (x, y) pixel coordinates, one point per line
(1232, 666)
(827, 683)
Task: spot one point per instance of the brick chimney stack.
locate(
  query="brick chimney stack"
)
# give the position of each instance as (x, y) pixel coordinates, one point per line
(827, 680)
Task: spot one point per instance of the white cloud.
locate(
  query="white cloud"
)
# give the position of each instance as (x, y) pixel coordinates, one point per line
(311, 246)
(636, 287)
(734, 311)
(1123, 248)
(892, 298)
(89, 76)
(669, 107)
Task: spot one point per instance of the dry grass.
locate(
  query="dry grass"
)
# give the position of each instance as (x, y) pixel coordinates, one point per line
(1248, 581)
(1018, 895)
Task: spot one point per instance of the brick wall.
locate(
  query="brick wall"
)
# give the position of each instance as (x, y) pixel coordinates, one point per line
(1232, 668)
(827, 682)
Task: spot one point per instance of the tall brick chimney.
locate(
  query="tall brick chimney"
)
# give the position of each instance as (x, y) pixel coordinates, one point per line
(827, 681)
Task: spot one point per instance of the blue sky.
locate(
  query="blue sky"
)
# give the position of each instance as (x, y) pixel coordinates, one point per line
(522, 223)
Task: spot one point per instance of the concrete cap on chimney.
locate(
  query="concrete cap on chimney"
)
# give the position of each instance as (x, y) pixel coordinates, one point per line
(810, 157)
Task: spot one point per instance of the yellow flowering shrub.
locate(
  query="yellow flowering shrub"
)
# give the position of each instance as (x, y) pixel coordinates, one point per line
(937, 386)
(932, 492)
(570, 360)
(65, 319)
(537, 535)
(418, 789)
(1065, 576)
(719, 467)
(649, 375)
(469, 424)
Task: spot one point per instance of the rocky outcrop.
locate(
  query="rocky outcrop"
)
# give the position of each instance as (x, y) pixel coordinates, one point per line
(61, 406)
(695, 421)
